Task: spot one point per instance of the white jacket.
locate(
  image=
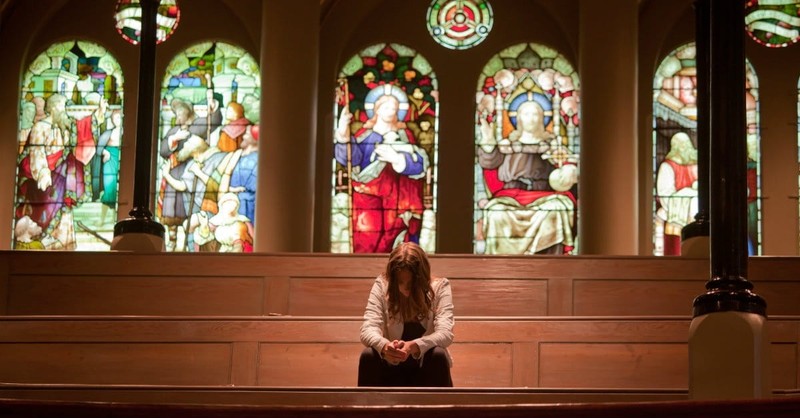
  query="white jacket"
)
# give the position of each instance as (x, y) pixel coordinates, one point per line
(377, 330)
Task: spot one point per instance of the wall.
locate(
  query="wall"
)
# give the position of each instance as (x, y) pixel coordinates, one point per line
(348, 26)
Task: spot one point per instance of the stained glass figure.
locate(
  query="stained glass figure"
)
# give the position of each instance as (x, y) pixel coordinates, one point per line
(675, 152)
(527, 147)
(385, 152)
(69, 149)
(207, 161)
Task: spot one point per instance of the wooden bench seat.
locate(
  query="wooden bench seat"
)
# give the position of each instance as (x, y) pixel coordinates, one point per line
(326, 396)
(533, 352)
(785, 407)
(53, 283)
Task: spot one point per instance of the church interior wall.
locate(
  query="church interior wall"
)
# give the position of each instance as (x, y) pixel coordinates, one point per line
(348, 26)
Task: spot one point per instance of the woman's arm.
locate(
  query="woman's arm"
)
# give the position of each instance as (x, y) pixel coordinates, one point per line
(374, 320)
(442, 335)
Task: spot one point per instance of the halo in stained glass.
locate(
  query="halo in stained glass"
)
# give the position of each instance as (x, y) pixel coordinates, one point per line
(129, 20)
(459, 24)
(773, 23)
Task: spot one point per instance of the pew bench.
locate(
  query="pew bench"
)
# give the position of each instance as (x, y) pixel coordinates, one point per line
(592, 353)
(247, 285)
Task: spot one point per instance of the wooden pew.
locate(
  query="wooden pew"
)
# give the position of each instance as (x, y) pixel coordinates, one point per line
(591, 353)
(63, 283)
(759, 408)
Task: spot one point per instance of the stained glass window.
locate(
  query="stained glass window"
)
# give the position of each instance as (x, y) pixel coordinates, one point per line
(385, 152)
(129, 20)
(527, 147)
(207, 161)
(459, 24)
(773, 23)
(798, 126)
(675, 152)
(69, 143)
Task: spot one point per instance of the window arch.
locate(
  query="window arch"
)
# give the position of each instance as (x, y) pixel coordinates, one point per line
(385, 141)
(207, 161)
(527, 149)
(675, 152)
(70, 137)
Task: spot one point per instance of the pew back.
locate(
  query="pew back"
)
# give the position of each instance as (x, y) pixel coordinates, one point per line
(494, 352)
(52, 283)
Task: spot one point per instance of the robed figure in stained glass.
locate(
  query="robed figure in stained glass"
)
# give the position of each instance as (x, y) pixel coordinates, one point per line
(387, 169)
(528, 171)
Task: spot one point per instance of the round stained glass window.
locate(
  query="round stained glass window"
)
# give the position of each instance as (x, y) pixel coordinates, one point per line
(129, 20)
(773, 23)
(459, 24)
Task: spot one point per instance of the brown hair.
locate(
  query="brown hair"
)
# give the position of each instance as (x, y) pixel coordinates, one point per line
(412, 258)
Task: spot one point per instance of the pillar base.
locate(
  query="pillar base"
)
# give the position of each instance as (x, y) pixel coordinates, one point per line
(697, 247)
(695, 240)
(729, 356)
(136, 234)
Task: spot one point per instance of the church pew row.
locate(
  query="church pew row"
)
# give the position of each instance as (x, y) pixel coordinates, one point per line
(53, 283)
(494, 352)
(785, 407)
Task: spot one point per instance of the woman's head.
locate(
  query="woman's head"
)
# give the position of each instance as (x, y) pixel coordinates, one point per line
(408, 273)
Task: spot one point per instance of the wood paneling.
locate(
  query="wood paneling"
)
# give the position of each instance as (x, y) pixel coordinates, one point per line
(545, 352)
(619, 365)
(323, 296)
(497, 297)
(116, 363)
(482, 365)
(135, 295)
(634, 297)
(317, 364)
(51, 283)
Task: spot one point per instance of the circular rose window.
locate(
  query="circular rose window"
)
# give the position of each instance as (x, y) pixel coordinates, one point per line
(459, 24)
(129, 19)
(775, 23)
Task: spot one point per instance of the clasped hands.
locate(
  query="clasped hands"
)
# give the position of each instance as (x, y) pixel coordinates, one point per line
(397, 351)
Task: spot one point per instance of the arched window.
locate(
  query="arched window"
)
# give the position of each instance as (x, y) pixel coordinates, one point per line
(675, 152)
(385, 151)
(207, 160)
(527, 149)
(70, 137)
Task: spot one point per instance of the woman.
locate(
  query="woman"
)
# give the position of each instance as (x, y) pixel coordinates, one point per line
(408, 324)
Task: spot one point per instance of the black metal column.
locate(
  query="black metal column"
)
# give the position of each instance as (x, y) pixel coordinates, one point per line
(728, 288)
(140, 218)
(700, 226)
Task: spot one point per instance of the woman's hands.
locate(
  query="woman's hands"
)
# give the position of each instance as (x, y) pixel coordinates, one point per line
(398, 351)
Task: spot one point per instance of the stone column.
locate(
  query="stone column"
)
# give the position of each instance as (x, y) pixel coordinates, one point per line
(289, 66)
(608, 163)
